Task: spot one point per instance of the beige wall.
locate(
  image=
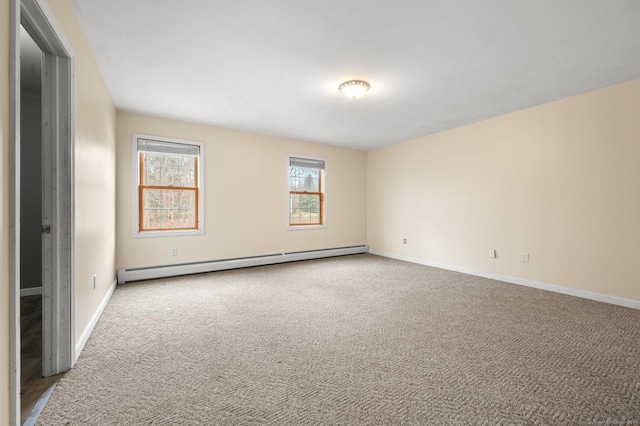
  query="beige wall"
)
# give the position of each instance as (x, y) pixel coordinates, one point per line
(4, 211)
(245, 196)
(558, 181)
(94, 174)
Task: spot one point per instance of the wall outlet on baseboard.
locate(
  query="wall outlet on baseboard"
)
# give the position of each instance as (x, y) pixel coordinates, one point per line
(174, 251)
(524, 257)
(492, 254)
(404, 241)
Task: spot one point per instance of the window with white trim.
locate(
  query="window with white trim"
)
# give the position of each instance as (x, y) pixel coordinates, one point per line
(307, 177)
(169, 196)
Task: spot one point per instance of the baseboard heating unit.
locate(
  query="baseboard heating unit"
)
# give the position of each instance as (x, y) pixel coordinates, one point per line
(137, 274)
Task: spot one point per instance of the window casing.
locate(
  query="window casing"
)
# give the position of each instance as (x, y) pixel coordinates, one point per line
(306, 198)
(168, 195)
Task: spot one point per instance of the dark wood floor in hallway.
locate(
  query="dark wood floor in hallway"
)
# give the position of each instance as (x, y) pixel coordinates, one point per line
(32, 384)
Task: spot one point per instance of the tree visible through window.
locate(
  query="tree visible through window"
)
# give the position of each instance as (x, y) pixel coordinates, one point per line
(306, 191)
(168, 186)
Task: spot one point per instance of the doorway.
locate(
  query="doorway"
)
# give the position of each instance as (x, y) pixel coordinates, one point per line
(54, 219)
(32, 382)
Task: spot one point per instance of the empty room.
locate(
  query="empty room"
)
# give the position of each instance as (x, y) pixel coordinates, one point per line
(340, 213)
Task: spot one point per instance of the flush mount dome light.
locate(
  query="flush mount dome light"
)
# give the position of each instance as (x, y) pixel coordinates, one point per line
(354, 88)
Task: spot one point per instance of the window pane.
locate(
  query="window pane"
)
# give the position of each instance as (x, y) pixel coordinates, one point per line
(314, 216)
(187, 177)
(170, 160)
(304, 209)
(161, 169)
(152, 168)
(168, 176)
(152, 219)
(303, 179)
(168, 209)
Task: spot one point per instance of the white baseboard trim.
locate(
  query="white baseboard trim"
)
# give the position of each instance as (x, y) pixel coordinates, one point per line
(164, 271)
(24, 292)
(614, 300)
(94, 320)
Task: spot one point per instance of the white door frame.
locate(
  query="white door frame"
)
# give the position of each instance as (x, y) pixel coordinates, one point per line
(58, 124)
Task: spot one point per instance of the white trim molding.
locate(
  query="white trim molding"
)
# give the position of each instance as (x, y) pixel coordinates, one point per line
(58, 179)
(84, 337)
(14, 214)
(599, 297)
(164, 271)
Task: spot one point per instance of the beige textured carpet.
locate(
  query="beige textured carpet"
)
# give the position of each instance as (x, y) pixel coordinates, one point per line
(353, 340)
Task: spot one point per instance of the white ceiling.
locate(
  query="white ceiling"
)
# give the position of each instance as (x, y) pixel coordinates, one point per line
(274, 66)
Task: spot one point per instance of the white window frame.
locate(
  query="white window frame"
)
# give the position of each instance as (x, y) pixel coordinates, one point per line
(135, 232)
(289, 227)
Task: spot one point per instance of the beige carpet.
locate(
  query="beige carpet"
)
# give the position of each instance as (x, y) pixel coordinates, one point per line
(353, 340)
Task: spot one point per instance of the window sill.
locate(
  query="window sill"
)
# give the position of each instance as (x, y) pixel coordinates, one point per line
(179, 233)
(305, 227)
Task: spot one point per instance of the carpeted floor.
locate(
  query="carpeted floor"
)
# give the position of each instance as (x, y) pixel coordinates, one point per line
(354, 340)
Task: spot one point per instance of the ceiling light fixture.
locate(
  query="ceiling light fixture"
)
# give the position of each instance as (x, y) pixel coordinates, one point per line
(354, 88)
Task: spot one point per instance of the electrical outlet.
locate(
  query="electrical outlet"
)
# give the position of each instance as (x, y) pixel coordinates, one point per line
(524, 257)
(174, 251)
(404, 241)
(95, 281)
(492, 254)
